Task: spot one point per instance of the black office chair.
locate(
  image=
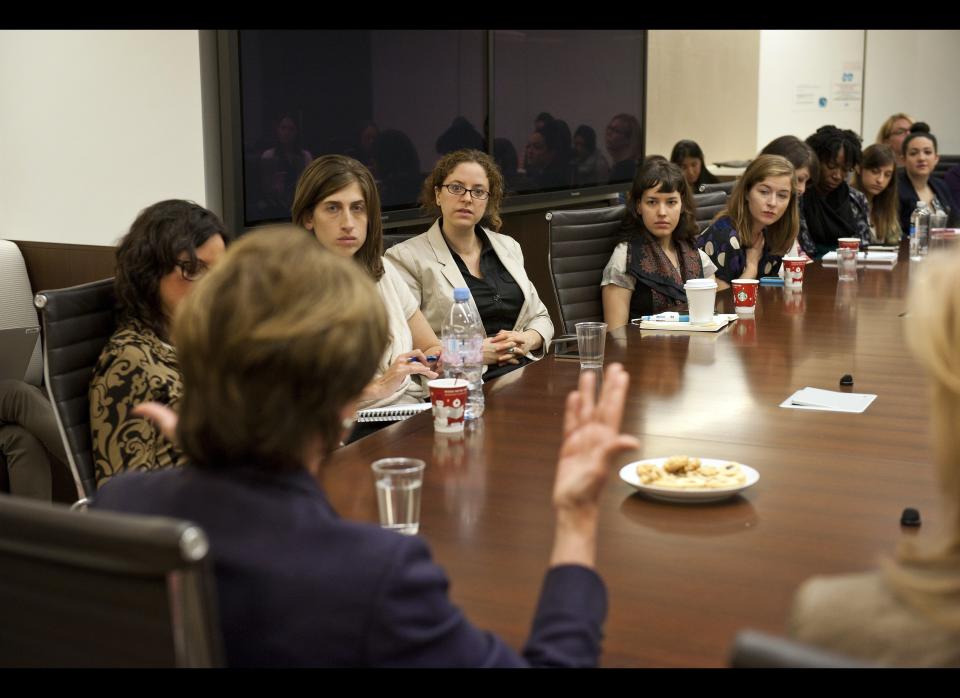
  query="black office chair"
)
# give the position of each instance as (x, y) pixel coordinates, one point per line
(102, 589)
(391, 239)
(709, 204)
(726, 187)
(581, 242)
(77, 322)
(756, 650)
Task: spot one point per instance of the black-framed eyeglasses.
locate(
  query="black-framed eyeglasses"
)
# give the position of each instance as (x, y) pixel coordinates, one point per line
(191, 271)
(458, 189)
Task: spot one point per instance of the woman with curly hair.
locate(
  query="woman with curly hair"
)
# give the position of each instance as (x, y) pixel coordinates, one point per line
(170, 246)
(463, 249)
(833, 209)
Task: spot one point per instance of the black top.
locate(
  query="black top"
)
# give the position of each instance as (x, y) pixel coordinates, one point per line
(497, 294)
(908, 200)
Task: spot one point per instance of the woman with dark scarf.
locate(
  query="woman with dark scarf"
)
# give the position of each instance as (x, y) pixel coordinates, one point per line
(658, 254)
(833, 209)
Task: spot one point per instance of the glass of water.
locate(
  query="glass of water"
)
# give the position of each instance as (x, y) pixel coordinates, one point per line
(591, 337)
(398, 482)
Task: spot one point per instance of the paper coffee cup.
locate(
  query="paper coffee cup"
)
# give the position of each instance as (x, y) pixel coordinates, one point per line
(745, 295)
(701, 299)
(849, 243)
(449, 399)
(793, 271)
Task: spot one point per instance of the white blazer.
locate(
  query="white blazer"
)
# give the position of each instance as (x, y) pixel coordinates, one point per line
(428, 267)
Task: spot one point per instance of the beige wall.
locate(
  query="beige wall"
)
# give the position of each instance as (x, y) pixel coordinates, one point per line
(702, 85)
(95, 126)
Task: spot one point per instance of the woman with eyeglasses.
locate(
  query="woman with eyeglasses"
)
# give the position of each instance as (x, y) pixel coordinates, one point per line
(759, 225)
(169, 247)
(833, 209)
(337, 201)
(463, 249)
(893, 131)
(914, 181)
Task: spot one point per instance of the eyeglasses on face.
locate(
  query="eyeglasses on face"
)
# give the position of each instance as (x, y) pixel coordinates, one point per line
(190, 271)
(458, 189)
(899, 131)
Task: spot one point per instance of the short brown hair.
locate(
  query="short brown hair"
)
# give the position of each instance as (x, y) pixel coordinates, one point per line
(447, 164)
(329, 174)
(656, 172)
(780, 235)
(273, 343)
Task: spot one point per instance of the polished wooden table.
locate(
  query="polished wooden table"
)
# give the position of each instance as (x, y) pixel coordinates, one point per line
(683, 579)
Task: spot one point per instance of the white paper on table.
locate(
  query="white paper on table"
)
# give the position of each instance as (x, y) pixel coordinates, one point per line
(871, 256)
(828, 400)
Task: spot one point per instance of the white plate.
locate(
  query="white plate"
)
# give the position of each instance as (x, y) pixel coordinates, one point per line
(628, 474)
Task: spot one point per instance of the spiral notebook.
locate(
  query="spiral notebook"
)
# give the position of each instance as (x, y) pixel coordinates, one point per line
(392, 413)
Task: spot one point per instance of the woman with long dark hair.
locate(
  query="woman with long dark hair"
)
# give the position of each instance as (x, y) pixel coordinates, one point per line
(875, 178)
(688, 156)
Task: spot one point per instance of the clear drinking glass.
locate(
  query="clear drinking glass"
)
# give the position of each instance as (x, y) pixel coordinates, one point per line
(398, 482)
(591, 337)
(847, 264)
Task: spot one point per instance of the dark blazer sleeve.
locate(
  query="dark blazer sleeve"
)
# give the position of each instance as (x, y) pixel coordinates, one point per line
(414, 623)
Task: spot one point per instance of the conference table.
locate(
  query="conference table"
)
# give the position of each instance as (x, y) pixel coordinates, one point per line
(683, 579)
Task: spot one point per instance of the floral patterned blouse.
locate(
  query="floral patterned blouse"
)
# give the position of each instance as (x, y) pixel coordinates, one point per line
(134, 367)
(722, 245)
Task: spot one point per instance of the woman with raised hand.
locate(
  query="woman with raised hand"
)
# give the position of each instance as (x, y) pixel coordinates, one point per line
(658, 254)
(337, 201)
(915, 181)
(759, 225)
(169, 247)
(462, 249)
(907, 613)
(276, 347)
(832, 208)
(875, 178)
(688, 156)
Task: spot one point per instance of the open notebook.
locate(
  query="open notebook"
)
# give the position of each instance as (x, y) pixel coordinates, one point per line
(392, 413)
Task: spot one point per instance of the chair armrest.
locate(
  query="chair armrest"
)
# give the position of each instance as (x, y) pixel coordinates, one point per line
(557, 342)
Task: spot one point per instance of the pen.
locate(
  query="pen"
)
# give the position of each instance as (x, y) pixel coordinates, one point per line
(661, 318)
(430, 359)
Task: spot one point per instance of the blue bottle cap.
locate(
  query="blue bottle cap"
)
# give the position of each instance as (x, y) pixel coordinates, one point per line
(461, 294)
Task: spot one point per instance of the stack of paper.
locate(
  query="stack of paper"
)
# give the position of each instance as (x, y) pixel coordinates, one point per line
(870, 258)
(828, 400)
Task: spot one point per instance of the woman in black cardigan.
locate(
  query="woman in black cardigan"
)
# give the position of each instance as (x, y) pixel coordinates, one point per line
(915, 180)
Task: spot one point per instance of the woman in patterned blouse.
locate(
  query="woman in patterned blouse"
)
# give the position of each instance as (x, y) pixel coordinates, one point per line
(749, 238)
(169, 247)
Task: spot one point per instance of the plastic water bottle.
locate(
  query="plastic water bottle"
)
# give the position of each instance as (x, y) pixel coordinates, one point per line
(462, 336)
(919, 230)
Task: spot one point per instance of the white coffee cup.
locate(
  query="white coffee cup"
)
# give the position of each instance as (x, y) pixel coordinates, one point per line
(701, 298)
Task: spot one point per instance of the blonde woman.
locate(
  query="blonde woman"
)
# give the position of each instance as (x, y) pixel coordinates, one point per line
(908, 612)
(749, 238)
(875, 178)
(892, 133)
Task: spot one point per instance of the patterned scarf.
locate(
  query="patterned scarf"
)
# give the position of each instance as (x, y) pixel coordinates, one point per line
(648, 264)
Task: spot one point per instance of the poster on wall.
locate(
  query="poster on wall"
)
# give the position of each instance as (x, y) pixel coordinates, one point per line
(847, 92)
(807, 96)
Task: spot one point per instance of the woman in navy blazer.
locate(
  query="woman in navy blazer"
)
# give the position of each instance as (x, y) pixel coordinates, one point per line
(916, 182)
(275, 346)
